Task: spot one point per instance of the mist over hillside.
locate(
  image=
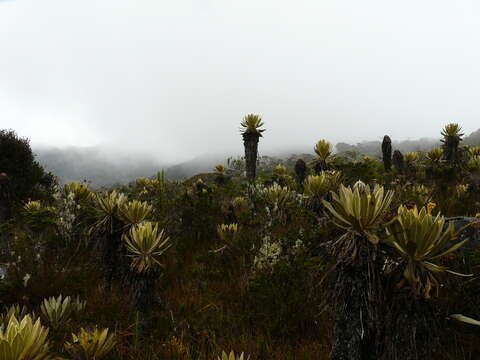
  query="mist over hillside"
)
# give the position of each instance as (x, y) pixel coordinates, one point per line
(99, 166)
(373, 148)
(106, 167)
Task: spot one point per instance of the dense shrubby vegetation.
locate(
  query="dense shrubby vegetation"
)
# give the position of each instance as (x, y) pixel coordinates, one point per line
(330, 256)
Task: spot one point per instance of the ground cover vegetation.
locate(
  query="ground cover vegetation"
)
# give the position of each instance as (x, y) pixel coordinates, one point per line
(327, 256)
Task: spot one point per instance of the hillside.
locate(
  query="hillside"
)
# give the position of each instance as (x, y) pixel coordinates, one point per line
(107, 167)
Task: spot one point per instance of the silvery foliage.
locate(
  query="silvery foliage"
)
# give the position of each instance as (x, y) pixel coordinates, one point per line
(272, 250)
(276, 206)
(68, 210)
(268, 255)
(67, 215)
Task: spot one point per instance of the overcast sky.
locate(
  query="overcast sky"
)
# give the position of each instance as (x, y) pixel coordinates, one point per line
(175, 77)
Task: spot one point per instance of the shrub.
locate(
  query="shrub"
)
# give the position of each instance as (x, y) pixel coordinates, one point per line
(25, 177)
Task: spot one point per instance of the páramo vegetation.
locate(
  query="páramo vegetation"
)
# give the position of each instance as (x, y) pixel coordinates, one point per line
(322, 256)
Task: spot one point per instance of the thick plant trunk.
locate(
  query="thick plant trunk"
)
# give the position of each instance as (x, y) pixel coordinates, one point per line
(450, 150)
(250, 142)
(398, 161)
(143, 290)
(320, 166)
(359, 308)
(412, 330)
(429, 172)
(111, 257)
(349, 329)
(387, 153)
(114, 259)
(300, 172)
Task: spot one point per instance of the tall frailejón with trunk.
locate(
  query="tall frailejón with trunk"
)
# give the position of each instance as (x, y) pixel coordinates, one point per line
(398, 162)
(451, 140)
(300, 171)
(359, 297)
(387, 153)
(108, 227)
(145, 244)
(323, 150)
(422, 242)
(251, 133)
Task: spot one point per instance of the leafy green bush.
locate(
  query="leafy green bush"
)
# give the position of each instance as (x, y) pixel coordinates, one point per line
(25, 177)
